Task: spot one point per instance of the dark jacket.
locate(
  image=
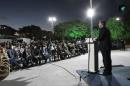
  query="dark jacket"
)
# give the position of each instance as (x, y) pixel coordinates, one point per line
(104, 39)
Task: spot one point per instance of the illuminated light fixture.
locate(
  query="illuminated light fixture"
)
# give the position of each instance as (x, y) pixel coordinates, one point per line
(90, 12)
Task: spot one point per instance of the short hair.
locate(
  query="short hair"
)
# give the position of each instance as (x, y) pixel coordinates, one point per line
(103, 22)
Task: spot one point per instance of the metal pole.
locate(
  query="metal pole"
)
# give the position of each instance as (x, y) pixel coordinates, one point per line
(91, 19)
(91, 29)
(52, 25)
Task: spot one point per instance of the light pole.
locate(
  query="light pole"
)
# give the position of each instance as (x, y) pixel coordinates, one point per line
(52, 20)
(92, 59)
(90, 14)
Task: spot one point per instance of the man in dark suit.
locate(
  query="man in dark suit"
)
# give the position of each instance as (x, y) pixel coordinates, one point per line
(105, 47)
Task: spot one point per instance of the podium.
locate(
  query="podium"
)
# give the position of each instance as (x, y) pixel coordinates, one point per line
(92, 60)
(92, 56)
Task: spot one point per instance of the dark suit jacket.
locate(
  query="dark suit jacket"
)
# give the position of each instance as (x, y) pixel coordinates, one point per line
(104, 39)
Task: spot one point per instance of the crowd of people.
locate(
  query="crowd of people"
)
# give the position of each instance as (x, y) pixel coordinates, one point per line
(22, 55)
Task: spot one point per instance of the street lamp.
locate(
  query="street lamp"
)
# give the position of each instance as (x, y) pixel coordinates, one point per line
(90, 13)
(52, 20)
(91, 52)
(118, 19)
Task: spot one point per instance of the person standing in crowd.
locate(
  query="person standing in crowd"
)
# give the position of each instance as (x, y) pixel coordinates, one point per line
(105, 47)
(122, 44)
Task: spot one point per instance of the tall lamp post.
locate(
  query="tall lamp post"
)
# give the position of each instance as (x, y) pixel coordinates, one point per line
(52, 20)
(90, 14)
(92, 59)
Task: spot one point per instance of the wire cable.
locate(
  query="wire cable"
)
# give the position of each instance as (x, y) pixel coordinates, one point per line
(65, 70)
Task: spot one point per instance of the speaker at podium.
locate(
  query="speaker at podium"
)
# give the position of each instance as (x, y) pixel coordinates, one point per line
(92, 55)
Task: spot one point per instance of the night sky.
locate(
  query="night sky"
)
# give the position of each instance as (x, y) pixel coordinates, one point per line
(18, 13)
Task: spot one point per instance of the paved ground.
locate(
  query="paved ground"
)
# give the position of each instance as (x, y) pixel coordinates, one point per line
(62, 73)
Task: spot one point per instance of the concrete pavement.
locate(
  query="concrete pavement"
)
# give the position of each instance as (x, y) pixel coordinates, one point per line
(62, 73)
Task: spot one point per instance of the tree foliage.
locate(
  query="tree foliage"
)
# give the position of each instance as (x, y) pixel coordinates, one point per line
(71, 30)
(31, 31)
(116, 28)
(7, 30)
(126, 20)
(95, 32)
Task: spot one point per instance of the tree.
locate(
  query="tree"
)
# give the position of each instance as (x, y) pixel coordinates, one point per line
(126, 33)
(116, 28)
(72, 30)
(49, 35)
(31, 31)
(95, 32)
(7, 30)
(126, 20)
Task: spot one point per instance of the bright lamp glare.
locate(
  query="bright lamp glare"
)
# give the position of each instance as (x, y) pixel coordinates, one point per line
(49, 19)
(118, 19)
(52, 19)
(90, 12)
